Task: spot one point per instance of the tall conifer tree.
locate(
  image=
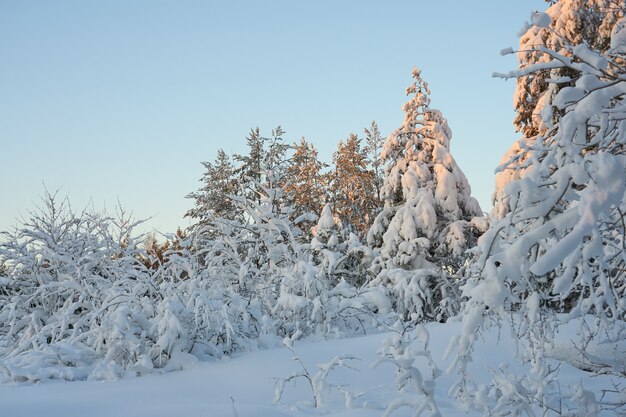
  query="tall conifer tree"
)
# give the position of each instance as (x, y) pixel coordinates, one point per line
(425, 227)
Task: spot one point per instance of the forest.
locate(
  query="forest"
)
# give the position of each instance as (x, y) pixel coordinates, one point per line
(386, 237)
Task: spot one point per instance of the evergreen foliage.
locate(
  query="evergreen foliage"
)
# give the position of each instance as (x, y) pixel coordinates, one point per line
(352, 185)
(425, 228)
(213, 200)
(374, 145)
(305, 186)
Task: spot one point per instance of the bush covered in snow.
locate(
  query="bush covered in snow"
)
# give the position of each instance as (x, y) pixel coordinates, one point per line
(74, 295)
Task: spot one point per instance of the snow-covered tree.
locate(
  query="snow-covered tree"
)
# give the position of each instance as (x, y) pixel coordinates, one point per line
(264, 163)
(426, 194)
(400, 352)
(561, 247)
(251, 166)
(426, 225)
(565, 24)
(337, 252)
(264, 245)
(232, 187)
(321, 294)
(80, 297)
(200, 312)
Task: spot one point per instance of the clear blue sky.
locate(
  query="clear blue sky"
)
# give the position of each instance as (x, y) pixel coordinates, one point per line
(124, 99)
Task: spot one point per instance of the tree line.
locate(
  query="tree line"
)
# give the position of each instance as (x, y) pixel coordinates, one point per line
(351, 186)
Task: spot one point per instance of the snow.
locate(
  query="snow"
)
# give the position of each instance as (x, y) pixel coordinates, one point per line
(246, 382)
(592, 58)
(618, 36)
(326, 220)
(608, 190)
(541, 19)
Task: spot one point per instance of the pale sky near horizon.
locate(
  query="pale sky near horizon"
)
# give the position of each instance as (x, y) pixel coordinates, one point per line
(122, 100)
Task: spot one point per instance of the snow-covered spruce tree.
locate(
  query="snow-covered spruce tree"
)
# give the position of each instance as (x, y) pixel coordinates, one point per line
(250, 167)
(426, 225)
(224, 179)
(219, 290)
(256, 254)
(565, 23)
(76, 300)
(562, 248)
(229, 184)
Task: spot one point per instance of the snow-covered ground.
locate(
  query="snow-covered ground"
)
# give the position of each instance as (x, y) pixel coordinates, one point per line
(243, 386)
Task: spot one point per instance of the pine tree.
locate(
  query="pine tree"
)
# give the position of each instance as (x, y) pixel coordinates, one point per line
(425, 227)
(374, 145)
(352, 185)
(305, 186)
